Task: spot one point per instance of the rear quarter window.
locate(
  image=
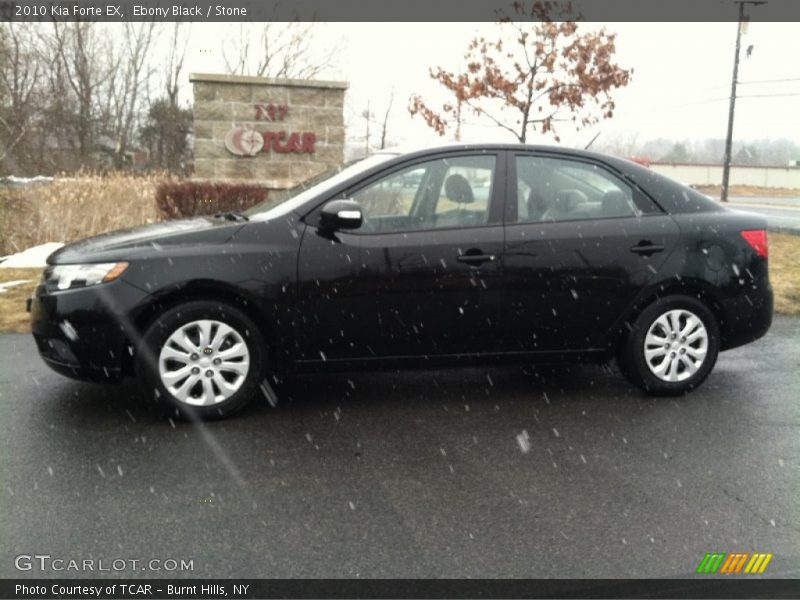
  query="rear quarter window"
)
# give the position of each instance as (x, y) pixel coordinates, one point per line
(673, 197)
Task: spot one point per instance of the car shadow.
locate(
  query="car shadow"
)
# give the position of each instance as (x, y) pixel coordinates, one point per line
(363, 390)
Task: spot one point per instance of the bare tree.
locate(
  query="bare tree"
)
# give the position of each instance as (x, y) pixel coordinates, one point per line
(73, 96)
(86, 63)
(20, 79)
(366, 114)
(165, 133)
(166, 128)
(283, 50)
(620, 144)
(129, 84)
(368, 127)
(179, 41)
(385, 123)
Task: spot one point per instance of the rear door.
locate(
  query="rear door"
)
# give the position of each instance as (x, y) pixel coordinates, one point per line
(581, 243)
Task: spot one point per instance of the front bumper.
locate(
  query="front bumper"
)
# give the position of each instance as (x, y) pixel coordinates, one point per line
(85, 333)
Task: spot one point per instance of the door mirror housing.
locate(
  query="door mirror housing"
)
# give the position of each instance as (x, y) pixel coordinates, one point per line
(341, 214)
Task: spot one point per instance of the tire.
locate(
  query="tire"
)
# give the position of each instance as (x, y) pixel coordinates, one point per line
(203, 359)
(672, 346)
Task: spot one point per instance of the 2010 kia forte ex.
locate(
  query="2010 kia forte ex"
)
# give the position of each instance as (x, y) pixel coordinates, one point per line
(492, 252)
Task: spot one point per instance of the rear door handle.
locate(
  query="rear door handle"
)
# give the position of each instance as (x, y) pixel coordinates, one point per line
(476, 259)
(646, 248)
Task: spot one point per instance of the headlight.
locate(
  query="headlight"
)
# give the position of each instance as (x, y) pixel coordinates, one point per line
(66, 277)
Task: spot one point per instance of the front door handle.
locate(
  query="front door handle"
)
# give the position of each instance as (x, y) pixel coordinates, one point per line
(476, 259)
(646, 248)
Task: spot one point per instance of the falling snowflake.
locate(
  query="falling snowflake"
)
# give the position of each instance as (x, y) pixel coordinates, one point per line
(68, 330)
(269, 393)
(524, 441)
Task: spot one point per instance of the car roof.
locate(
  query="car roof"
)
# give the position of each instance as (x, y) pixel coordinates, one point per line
(412, 151)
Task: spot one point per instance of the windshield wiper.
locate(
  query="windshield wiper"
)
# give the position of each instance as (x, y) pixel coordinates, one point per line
(231, 216)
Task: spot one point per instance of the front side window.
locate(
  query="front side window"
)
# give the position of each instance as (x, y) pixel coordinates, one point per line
(443, 193)
(281, 203)
(554, 189)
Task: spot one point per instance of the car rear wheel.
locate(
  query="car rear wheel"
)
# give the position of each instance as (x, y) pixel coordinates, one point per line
(204, 359)
(672, 346)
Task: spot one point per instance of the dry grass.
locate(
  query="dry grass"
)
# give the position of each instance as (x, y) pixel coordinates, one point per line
(74, 208)
(63, 211)
(749, 190)
(13, 316)
(784, 272)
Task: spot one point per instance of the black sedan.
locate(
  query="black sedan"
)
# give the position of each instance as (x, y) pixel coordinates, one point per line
(500, 252)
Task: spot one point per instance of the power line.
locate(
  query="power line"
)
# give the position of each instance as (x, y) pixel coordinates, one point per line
(769, 95)
(755, 81)
(769, 80)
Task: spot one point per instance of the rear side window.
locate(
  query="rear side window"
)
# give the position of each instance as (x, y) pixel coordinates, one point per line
(673, 197)
(554, 189)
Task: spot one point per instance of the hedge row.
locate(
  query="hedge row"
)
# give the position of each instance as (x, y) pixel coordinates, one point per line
(179, 199)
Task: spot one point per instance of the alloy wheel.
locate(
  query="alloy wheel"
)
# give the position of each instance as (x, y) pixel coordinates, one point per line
(204, 362)
(676, 345)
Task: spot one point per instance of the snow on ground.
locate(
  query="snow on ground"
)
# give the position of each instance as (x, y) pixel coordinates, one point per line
(14, 180)
(8, 284)
(30, 258)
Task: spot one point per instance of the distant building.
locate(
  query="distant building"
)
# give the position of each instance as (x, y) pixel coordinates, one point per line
(774, 176)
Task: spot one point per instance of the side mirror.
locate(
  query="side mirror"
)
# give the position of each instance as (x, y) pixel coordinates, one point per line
(341, 214)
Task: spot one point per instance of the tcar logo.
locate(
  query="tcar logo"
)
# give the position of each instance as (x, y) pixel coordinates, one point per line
(244, 142)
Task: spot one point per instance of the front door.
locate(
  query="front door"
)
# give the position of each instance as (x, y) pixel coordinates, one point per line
(426, 264)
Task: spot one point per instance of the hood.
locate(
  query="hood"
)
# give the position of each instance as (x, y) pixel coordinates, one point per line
(147, 240)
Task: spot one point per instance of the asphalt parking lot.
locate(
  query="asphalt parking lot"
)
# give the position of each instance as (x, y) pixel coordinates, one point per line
(498, 472)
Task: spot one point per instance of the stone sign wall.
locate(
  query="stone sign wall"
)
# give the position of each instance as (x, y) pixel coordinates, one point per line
(278, 132)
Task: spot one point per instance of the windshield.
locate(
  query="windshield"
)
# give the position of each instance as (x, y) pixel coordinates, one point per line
(283, 202)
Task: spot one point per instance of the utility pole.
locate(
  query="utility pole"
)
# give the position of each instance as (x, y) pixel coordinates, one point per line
(726, 165)
(458, 120)
(367, 116)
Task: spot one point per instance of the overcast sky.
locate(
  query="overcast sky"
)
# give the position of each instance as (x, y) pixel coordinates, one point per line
(679, 90)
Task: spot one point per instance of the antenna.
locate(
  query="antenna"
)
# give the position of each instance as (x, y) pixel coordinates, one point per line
(596, 135)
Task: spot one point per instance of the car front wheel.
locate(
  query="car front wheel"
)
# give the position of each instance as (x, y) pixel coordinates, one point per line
(672, 346)
(203, 358)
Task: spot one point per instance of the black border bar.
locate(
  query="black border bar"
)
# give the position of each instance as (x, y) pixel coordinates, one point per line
(700, 587)
(386, 10)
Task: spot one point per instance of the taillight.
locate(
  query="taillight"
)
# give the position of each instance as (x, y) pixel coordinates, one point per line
(757, 238)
